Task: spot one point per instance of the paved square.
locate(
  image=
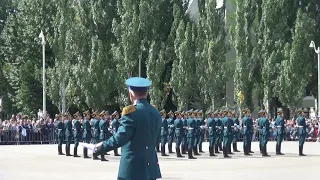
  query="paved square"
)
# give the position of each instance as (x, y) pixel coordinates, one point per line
(41, 162)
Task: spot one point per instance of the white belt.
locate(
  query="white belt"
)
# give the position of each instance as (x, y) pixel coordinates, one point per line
(300, 126)
(190, 128)
(225, 127)
(232, 126)
(245, 126)
(210, 127)
(279, 126)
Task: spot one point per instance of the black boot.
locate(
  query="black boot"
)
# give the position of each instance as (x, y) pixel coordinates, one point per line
(183, 150)
(68, 151)
(301, 151)
(103, 158)
(200, 148)
(170, 149)
(178, 153)
(246, 150)
(163, 151)
(264, 151)
(85, 153)
(95, 157)
(211, 152)
(216, 149)
(195, 149)
(225, 152)
(116, 152)
(229, 149)
(249, 148)
(220, 147)
(260, 149)
(75, 152)
(280, 150)
(190, 156)
(235, 148)
(60, 150)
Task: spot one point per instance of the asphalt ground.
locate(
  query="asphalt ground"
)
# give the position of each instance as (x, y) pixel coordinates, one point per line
(41, 162)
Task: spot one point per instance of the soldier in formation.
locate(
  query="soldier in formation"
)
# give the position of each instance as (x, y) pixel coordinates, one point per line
(280, 126)
(178, 126)
(170, 121)
(76, 133)
(264, 128)
(69, 132)
(115, 126)
(164, 132)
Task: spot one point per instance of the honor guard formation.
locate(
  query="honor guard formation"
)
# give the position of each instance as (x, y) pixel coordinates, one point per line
(186, 128)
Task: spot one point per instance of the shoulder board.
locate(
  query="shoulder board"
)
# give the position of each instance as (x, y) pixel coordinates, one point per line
(128, 109)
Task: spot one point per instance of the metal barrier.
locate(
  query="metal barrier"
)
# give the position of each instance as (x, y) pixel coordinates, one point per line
(49, 136)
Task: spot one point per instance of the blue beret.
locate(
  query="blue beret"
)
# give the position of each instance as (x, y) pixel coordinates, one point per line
(138, 83)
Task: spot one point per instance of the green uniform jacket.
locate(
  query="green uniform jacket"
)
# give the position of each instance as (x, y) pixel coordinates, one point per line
(86, 129)
(68, 126)
(192, 125)
(95, 126)
(302, 125)
(280, 125)
(211, 124)
(61, 129)
(103, 126)
(264, 126)
(246, 125)
(218, 125)
(178, 125)
(137, 135)
(77, 129)
(227, 129)
(164, 127)
(170, 126)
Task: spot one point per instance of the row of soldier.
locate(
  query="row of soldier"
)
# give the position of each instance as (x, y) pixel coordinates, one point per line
(187, 129)
(99, 128)
(224, 128)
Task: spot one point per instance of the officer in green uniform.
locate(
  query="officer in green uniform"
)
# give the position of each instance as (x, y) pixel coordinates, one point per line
(280, 125)
(137, 135)
(246, 131)
(76, 133)
(171, 130)
(86, 135)
(251, 132)
(227, 132)
(184, 146)
(202, 130)
(68, 127)
(301, 123)
(211, 124)
(264, 126)
(115, 126)
(236, 132)
(103, 126)
(96, 130)
(61, 134)
(158, 143)
(218, 132)
(164, 132)
(221, 116)
(192, 125)
(197, 132)
(178, 126)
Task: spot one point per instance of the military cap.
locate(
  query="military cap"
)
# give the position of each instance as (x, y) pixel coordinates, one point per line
(102, 113)
(279, 111)
(170, 112)
(94, 114)
(163, 112)
(86, 113)
(115, 113)
(57, 116)
(66, 114)
(234, 112)
(177, 112)
(200, 112)
(138, 84)
(216, 112)
(195, 112)
(246, 110)
(182, 113)
(76, 114)
(262, 111)
(189, 113)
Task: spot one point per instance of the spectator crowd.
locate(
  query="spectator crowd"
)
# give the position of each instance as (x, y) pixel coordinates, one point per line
(23, 130)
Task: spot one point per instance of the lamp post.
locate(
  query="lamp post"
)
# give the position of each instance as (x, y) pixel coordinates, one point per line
(317, 50)
(43, 42)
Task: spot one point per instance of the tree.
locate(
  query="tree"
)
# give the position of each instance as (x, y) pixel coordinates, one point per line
(296, 67)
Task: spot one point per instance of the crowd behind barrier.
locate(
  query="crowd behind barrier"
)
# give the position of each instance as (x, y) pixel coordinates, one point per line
(26, 131)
